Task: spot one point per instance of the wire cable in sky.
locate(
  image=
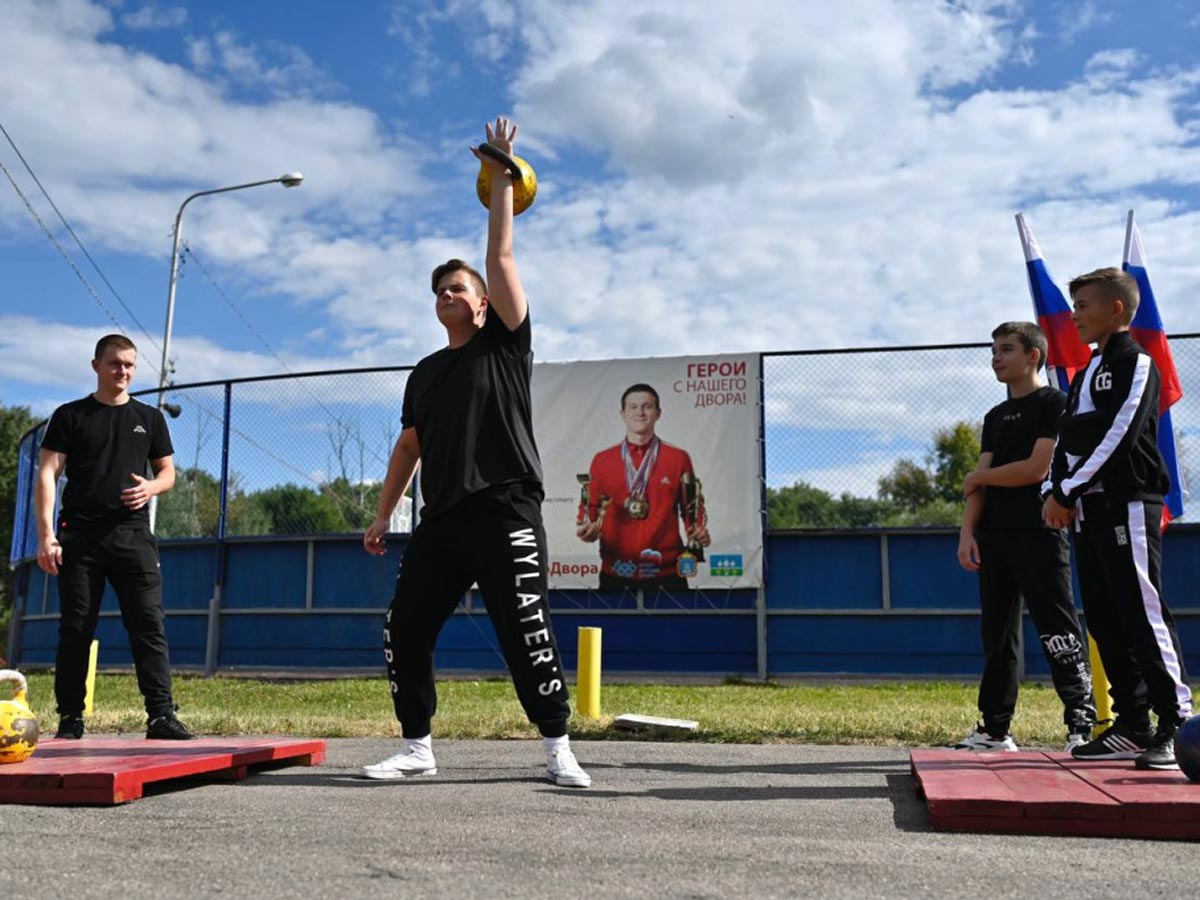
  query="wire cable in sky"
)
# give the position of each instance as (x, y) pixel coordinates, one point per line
(74, 236)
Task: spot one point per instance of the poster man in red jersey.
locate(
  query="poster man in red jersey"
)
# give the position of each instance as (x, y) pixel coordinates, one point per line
(634, 499)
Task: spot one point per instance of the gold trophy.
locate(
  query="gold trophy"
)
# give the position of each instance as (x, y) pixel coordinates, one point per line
(694, 513)
(585, 501)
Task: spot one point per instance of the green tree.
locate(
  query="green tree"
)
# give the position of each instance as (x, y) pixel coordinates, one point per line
(298, 510)
(356, 502)
(803, 506)
(955, 454)
(14, 422)
(908, 485)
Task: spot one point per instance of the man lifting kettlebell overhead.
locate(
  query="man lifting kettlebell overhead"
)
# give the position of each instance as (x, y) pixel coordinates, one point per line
(467, 420)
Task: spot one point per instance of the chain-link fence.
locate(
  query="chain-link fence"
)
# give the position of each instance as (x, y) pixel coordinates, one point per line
(854, 439)
(862, 438)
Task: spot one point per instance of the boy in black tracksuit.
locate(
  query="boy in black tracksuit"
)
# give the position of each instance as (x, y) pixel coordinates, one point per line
(1108, 477)
(1016, 554)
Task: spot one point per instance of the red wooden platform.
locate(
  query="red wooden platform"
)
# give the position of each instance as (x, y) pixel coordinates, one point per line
(1051, 793)
(108, 770)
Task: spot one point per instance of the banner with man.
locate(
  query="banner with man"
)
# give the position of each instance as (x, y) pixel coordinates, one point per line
(652, 471)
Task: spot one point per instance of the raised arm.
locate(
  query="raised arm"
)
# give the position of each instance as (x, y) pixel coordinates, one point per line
(505, 294)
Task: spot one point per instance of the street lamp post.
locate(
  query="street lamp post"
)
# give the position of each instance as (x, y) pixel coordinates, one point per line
(288, 180)
(291, 179)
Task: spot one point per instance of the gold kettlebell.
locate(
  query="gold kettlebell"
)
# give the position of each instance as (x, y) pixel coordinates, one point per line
(523, 177)
(18, 724)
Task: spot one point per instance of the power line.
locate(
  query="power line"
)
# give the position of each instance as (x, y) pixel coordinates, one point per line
(61, 249)
(190, 254)
(74, 236)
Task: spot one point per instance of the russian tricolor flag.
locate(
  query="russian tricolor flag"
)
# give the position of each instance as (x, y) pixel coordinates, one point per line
(1066, 353)
(1147, 329)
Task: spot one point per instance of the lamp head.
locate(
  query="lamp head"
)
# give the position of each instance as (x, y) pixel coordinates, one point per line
(291, 179)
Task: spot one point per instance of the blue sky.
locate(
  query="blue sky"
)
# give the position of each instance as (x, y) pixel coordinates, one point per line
(715, 177)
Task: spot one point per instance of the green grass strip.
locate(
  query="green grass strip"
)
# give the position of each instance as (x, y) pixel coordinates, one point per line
(924, 713)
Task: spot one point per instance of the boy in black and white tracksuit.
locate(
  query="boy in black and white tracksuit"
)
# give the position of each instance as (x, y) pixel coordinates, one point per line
(1108, 477)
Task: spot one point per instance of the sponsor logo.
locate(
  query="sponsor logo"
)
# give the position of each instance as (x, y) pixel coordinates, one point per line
(624, 568)
(1103, 381)
(725, 565)
(1122, 536)
(138, 429)
(666, 479)
(1012, 417)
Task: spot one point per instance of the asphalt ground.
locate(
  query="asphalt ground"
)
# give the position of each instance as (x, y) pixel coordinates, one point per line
(661, 820)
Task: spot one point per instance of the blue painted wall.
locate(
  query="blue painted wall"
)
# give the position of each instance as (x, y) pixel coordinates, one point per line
(832, 607)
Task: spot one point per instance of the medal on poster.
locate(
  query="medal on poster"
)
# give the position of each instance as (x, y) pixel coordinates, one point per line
(636, 479)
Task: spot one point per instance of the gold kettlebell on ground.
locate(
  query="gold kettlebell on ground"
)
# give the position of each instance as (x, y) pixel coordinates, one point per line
(18, 724)
(523, 177)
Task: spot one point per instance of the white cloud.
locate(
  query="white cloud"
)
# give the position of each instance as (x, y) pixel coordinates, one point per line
(151, 16)
(1075, 18)
(277, 69)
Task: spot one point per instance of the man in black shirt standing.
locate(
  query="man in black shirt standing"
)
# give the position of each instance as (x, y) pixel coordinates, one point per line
(104, 442)
(467, 419)
(1004, 538)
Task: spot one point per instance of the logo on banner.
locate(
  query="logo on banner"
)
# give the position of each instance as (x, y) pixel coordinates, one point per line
(624, 568)
(685, 566)
(725, 565)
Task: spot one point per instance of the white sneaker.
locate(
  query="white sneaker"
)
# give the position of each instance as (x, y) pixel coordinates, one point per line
(980, 741)
(563, 769)
(413, 760)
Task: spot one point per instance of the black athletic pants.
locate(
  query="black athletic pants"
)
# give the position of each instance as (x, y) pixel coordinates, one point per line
(1119, 550)
(495, 539)
(127, 557)
(1034, 563)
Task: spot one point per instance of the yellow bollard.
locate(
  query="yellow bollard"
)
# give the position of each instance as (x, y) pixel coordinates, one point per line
(1104, 711)
(587, 701)
(90, 692)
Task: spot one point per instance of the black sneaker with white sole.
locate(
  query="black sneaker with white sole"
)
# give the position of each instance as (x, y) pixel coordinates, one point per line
(1115, 742)
(167, 727)
(1161, 752)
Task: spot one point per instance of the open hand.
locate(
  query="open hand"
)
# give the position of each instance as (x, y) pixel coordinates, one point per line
(502, 135)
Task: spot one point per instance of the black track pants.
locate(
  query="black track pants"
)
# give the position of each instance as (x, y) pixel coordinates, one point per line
(494, 538)
(1119, 550)
(127, 556)
(1036, 564)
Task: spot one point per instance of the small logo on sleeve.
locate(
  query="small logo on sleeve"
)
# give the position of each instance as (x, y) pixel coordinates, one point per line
(138, 429)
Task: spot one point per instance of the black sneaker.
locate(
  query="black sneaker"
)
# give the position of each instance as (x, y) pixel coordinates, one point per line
(167, 727)
(1161, 752)
(70, 727)
(1115, 742)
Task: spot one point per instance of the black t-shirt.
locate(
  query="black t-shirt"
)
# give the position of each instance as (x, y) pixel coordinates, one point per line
(104, 444)
(1009, 432)
(472, 411)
